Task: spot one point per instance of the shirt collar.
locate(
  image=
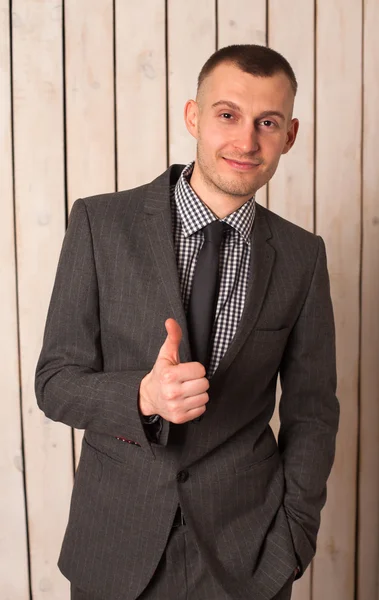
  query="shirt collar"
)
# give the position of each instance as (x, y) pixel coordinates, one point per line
(195, 214)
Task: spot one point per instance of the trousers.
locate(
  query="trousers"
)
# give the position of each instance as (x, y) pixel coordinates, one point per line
(182, 575)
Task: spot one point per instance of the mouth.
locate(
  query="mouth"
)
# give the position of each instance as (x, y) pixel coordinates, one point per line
(241, 165)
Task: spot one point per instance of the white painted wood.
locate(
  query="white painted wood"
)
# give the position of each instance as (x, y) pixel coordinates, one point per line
(90, 119)
(243, 22)
(141, 91)
(291, 189)
(14, 584)
(89, 91)
(338, 204)
(191, 41)
(368, 515)
(40, 217)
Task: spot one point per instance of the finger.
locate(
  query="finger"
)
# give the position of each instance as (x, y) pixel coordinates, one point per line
(189, 415)
(177, 406)
(188, 372)
(170, 349)
(195, 387)
(194, 402)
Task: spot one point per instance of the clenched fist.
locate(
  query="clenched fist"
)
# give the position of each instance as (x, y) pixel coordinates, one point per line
(175, 391)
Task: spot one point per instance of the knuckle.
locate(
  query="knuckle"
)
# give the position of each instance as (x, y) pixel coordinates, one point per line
(166, 376)
(172, 396)
(178, 419)
(174, 407)
(202, 371)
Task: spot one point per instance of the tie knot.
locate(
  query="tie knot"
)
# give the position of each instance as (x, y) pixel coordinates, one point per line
(213, 232)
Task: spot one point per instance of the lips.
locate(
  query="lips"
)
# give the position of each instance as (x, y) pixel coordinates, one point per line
(241, 165)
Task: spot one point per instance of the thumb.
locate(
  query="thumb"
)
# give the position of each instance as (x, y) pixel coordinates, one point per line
(170, 349)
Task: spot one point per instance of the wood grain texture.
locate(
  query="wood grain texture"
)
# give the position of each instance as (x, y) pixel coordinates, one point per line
(141, 91)
(368, 515)
(13, 538)
(243, 22)
(291, 191)
(191, 41)
(40, 218)
(338, 206)
(89, 95)
(90, 119)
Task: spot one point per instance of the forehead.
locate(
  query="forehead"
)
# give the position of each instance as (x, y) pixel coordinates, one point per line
(228, 82)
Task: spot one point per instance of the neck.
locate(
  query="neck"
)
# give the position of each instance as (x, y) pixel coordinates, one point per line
(220, 203)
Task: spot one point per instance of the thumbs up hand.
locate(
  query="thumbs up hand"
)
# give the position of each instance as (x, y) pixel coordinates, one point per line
(175, 391)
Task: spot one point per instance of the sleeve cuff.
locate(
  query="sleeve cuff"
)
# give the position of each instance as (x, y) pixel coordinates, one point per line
(149, 420)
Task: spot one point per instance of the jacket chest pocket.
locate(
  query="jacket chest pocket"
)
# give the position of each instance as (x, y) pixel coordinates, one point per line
(269, 345)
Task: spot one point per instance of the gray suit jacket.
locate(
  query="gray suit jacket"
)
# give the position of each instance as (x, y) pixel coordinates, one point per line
(253, 505)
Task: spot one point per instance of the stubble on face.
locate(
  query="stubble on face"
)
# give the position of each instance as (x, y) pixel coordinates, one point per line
(236, 186)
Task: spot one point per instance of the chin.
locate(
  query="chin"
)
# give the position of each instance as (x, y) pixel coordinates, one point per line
(238, 188)
(239, 192)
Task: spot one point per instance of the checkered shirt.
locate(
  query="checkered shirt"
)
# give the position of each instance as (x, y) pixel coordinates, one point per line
(189, 216)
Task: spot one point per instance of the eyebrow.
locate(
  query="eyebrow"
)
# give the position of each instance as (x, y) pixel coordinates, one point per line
(272, 113)
(266, 113)
(227, 103)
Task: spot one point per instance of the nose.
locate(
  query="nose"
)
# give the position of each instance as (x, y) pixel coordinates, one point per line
(247, 140)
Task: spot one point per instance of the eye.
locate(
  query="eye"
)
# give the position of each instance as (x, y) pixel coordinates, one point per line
(226, 115)
(267, 123)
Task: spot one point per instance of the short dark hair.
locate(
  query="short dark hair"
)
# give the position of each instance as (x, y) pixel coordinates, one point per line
(250, 58)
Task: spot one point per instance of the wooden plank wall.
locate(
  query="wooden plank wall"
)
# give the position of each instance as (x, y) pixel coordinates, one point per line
(92, 97)
(368, 475)
(13, 533)
(338, 202)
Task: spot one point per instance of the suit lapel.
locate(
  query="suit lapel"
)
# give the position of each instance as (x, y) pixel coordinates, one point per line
(262, 258)
(158, 224)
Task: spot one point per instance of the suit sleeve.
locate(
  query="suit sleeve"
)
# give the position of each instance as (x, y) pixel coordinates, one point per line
(309, 412)
(71, 385)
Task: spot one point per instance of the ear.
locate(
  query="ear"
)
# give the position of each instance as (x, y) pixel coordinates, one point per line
(191, 116)
(291, 135)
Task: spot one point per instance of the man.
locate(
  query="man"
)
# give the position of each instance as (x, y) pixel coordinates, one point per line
(175, 307)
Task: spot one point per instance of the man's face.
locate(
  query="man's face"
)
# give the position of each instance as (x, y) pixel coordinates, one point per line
(243, 124)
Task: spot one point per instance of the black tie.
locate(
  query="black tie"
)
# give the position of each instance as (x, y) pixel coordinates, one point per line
(203, 300)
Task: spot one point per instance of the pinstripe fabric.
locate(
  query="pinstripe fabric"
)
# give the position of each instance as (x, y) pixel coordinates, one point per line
(182, 574)
(252, 506)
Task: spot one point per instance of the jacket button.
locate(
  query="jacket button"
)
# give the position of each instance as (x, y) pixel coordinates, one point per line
(182, 476)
